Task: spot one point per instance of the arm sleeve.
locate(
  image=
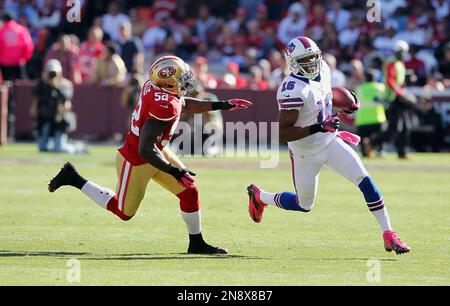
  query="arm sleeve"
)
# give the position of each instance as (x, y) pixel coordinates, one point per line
(391, 79)
(289, 100)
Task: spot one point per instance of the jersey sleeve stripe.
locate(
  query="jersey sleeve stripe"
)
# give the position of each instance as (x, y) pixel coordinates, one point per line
(292, 103)
(291, 106)
(162, 119)
(290, 100)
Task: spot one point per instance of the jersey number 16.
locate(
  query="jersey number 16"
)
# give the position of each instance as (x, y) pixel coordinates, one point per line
(325, 108)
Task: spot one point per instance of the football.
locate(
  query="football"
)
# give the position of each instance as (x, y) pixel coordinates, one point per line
(342, 98)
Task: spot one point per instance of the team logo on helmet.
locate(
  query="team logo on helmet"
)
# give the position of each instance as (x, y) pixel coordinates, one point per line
(291, 47)
(167, 72)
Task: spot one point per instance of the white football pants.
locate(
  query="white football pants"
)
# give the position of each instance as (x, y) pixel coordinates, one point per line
(338, 156)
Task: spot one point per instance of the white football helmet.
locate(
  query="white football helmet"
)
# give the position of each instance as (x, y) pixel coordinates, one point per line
(303, 57)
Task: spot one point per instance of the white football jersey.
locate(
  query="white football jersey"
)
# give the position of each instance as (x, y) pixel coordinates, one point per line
(313, 100)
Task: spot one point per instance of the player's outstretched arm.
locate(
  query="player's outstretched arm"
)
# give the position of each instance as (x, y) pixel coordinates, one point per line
(149, 134)
(196, 106)
(289, 132)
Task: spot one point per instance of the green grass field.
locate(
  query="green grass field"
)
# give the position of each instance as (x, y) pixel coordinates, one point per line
(40, 231)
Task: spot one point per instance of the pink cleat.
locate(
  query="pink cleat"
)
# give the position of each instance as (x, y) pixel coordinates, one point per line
(393, 243)
(255, 206)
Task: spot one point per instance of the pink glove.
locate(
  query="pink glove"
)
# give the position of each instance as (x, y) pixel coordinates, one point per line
(331, 124)
(184, 177)
(187, 181)
(240, 104)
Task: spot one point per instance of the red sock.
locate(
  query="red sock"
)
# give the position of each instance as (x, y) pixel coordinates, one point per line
(113, 206)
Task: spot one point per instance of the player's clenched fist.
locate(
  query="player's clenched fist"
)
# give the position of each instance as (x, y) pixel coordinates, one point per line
(330, 125)
(184, 177)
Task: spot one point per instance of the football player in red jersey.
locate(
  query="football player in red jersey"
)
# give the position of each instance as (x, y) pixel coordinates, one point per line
(145, 155)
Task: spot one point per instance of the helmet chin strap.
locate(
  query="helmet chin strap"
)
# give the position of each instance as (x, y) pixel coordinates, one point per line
(309, 76)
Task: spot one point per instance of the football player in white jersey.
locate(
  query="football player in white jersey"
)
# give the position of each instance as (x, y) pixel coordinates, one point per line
(306, 123)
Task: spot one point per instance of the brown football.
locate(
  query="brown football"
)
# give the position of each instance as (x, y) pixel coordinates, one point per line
(342, 98)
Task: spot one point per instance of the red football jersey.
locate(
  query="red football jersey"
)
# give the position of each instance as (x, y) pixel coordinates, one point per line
(154, 104)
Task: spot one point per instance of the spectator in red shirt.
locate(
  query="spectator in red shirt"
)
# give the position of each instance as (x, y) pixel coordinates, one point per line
(418, 66)
(16, 47)
(63, 51)
(257, 81)
(254, 38)
(200, 67)
(91, 50)
(231, 79)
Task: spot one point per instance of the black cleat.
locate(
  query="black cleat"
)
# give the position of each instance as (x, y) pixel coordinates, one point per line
(68, 176)
(206, 249)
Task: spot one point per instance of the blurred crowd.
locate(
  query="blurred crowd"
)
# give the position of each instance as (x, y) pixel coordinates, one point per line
(233, 43)
(230, 44)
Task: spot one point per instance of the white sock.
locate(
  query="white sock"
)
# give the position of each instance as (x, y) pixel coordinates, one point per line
(382, 217)
(193, 222)
(268, 198)
(98, 194)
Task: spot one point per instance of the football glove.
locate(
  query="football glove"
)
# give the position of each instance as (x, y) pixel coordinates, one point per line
(330, 125)
(184, 177)
(232, 105)
(240, 104)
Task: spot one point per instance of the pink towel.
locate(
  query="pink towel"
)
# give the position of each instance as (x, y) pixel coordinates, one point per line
(351, 138)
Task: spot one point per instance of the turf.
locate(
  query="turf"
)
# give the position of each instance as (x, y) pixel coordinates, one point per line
(40, 231)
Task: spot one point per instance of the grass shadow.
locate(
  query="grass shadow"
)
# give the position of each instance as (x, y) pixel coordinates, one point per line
(4, 253)
(91, 256)
(169, 256)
